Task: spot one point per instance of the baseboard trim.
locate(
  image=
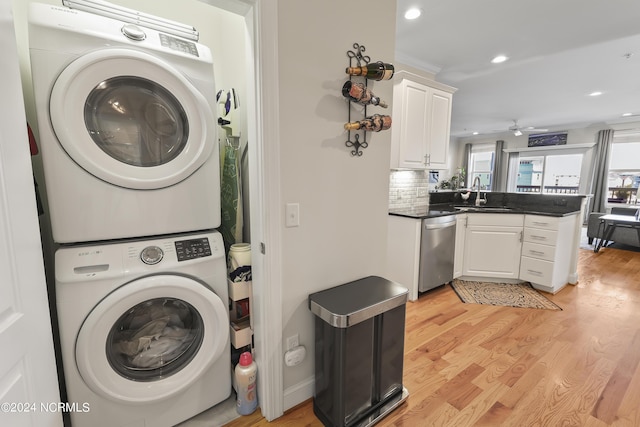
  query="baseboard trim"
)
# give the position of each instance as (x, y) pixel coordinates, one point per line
(299, 393)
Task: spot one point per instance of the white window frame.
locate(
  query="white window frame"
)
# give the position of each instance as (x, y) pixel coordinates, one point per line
(632, 199)
(481, 149)
(516, 154)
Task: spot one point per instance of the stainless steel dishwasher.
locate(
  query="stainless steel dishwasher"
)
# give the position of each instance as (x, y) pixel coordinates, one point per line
(437, 251)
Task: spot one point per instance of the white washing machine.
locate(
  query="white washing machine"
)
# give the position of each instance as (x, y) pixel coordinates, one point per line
(144, 329)
(127, 127)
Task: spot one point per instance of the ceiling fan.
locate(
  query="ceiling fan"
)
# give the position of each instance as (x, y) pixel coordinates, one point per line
(517, 130)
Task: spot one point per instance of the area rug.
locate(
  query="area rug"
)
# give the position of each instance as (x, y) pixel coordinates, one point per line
(503, 294)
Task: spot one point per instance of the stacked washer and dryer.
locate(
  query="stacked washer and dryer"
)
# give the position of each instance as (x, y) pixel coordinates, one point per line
(126, 117)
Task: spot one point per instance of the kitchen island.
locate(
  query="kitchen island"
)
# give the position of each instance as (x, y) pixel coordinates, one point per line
(513, 237)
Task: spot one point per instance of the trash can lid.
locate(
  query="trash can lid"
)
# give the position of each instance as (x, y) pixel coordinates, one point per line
(345, 305)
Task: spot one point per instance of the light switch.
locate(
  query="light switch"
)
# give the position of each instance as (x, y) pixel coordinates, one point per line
(292, 215)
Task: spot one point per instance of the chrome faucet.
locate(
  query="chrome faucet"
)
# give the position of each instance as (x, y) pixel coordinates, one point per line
(479, 201)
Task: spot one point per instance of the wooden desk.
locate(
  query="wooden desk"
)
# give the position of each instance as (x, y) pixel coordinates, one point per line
(608, 223)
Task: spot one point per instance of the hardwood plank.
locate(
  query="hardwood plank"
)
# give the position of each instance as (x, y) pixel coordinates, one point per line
(469, 364)
(611, 398)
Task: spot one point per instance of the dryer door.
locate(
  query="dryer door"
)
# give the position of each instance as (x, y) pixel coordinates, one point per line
(151, 338)
(131, 119)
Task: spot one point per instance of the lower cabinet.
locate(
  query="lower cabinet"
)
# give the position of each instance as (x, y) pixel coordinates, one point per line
(461, 233)
(533, 248)
(403, 252)
(546, 251)
(492, 246)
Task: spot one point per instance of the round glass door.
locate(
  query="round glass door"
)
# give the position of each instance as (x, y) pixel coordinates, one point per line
(136, 121)
(151, 338)
(131, 119)
(154, 339)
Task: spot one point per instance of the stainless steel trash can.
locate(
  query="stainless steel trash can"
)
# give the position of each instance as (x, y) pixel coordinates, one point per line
(359, 351)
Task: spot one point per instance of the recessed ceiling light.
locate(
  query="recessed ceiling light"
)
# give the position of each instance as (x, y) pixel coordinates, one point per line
(412, 13)
(627, 114)
(596, 93)
(499, 59)
(476, 133)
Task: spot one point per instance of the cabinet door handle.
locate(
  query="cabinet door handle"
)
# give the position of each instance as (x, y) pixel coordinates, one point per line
(545, 224)
(521, 236)
(535, 273)
(531, 251)
(538, 237)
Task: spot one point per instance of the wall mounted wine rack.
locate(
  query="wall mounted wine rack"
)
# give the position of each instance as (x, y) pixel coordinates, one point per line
(360, 59)
(360, 94)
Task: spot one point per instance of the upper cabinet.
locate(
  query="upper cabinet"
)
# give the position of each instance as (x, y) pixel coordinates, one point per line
(422, 123)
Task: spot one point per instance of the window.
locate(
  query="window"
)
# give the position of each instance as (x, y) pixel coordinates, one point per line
(481, 165)
(546, 172)
(624, 172)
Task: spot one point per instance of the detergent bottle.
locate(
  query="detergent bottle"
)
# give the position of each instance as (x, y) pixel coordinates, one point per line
(246, 373)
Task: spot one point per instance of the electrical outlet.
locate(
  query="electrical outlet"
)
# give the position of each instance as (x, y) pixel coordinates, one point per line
(292, 215)
(422, 191)
(293, 341)
(405, 193)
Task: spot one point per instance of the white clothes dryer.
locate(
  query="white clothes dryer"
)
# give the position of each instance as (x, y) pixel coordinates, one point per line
(127, 127)
(144, 329)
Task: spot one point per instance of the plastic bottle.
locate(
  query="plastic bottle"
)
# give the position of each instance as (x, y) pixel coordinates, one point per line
(239, 256)
(246, 373)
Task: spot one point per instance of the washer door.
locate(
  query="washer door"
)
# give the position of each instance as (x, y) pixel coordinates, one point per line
(151, 338)
(131, 119)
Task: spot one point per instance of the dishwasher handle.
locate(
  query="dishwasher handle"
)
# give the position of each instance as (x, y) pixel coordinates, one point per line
(438, 225)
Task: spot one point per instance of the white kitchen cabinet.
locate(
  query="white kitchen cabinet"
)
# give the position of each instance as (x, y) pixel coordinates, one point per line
(403, 252)
(547, 251)
(421, 123)
(492, 246)
(461, 232)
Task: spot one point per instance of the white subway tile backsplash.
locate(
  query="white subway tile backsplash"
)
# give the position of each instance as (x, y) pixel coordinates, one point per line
(408, 188)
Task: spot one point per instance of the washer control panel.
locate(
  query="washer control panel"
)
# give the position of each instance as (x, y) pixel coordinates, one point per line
(192, 248)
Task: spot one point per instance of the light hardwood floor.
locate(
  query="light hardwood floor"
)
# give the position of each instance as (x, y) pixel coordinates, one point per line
(476, 365)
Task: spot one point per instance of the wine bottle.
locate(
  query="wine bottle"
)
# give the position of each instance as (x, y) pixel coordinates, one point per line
(375, 71)
(357, 92)
(375, 123)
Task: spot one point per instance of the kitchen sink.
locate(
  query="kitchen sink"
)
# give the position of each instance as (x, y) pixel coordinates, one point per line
(483, 208)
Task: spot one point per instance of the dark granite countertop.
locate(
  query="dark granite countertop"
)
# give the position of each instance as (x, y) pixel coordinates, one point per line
(450, 203)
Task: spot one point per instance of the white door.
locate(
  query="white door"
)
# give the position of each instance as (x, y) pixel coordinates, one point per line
(502, 261)
(414, 126)
(439, 128)
(28, 379)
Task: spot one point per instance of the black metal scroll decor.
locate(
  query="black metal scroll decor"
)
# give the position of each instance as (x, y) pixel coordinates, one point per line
(361, 60)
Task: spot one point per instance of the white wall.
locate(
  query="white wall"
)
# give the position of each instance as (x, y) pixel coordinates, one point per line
(343, 199)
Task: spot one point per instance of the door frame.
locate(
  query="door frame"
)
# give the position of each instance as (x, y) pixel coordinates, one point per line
(261, 26)
(265, 183)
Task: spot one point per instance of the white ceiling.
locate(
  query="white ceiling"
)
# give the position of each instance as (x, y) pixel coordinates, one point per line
(560, 51)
